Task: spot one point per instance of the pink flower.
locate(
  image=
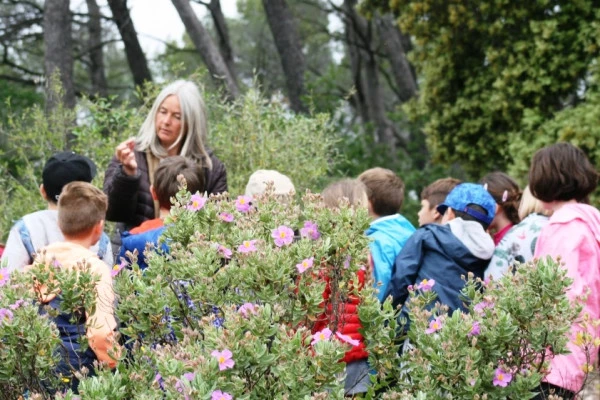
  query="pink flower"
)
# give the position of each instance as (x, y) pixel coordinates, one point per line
(282, 235)
(226, 217)
(247, 246)
(310, 230)
(322, 335)
(243, 203)
(224, 251)
(218, 395)
(426, 285)
(224, 359)
(347, 339)
(56, 263)
(17, 304)
(305, 264)
(189, 376)
(246, 309)
(479, 308)
(434, 326)
(4, 276)
(347, 262)
(502, 377)
(475, 329)
(5, 314)
(117, 268)
(196, 202)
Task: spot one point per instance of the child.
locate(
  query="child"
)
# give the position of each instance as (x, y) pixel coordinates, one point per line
(445, 253)
(431, 197)
(562, 178)
(507, 195)
(347, 322)
(519, 242)
(257, 183)
(38, 229)
(81, 213)
(166, 185)
(389, 230)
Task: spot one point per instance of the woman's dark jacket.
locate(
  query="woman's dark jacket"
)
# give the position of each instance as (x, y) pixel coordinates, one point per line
(129, 198)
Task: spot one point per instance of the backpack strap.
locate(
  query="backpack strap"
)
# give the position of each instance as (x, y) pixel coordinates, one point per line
(103, 245)
(26, 239)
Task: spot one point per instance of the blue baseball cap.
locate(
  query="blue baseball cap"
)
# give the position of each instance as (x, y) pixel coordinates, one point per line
(467, 194)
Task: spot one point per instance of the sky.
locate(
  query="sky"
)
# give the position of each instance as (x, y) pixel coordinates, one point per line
(157, 21)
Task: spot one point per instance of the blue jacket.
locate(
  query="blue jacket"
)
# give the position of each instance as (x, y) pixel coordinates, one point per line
(139, 241)
(388, 234)
(443, 253)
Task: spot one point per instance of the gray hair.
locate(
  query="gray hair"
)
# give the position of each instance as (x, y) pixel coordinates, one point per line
(194, 128)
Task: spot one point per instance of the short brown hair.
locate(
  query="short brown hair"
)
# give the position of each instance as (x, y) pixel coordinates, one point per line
(506, 192)
(81, 206)
(562, 172)
(166, 184)
(436, 192)
(385, 190)
(352, 189)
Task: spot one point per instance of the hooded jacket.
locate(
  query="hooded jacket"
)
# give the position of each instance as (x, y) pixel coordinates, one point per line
(388, 236)
(102, 323)
(129, 198)
(147, 234)
(443, 253)
(573, 233)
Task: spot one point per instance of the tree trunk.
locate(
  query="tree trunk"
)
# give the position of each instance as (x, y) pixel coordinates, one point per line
(401, 69)
(223, 34)
(289, 47)
(58, 53)
(97, 74)
(135, 56)
(360, 32)
(206, 47)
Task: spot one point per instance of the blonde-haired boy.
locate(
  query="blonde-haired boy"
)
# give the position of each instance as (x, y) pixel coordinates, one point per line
(81, 213)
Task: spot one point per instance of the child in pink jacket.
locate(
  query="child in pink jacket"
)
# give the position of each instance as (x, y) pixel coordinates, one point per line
(562, 178)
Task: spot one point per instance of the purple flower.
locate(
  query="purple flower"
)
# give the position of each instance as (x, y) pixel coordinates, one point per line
(196, 202)
(347, 339)
(117, 268)
(4, 276)
(305, 264)
(247, 246)
(426, 285)
(475, 329)
(218, 395)
(502, 377)
(479, 308)
(224, 251)
(189, 376)
(226, 217)
(347, 262)
(246, 309)
(224, 359)
(17, 304)
(282, 235)
(243, 203)
(310, 230)
(322, 335)
(5, 314)
(434, 326)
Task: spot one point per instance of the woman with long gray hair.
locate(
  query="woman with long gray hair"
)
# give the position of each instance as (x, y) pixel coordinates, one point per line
(176, 125)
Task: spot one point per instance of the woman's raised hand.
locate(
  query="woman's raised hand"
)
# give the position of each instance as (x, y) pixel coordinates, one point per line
(126, 156)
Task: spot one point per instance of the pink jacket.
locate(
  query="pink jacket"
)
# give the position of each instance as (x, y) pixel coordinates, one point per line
(573, 233)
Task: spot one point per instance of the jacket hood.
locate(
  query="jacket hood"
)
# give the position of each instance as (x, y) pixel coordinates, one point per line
(578, 211)
(465, 242)
(389, 226)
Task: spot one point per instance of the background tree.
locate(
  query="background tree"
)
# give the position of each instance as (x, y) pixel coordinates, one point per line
(96, 53)
(135, 56)
(491, 70)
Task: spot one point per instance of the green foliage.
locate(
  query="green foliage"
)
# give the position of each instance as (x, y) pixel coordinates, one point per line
(513, 332)
(487, 68)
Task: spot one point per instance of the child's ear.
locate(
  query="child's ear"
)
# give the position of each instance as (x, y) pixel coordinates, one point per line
(448, 216)
(153, 193)
(43, 192)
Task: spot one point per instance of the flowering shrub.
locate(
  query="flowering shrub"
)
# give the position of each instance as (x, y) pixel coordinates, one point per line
(500, 348)
(231, 312)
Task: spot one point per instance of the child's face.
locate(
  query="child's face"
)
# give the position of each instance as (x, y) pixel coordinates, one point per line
(428, 214)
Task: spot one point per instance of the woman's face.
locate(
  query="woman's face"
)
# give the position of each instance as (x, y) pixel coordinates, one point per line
(168, 121)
